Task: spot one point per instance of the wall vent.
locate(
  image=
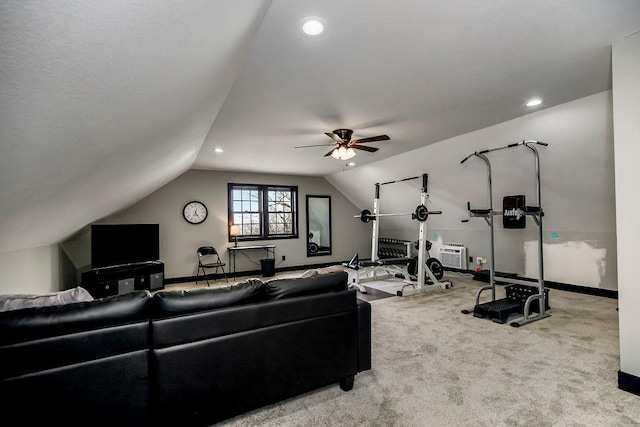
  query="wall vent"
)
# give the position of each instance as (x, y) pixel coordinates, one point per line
(453, 255)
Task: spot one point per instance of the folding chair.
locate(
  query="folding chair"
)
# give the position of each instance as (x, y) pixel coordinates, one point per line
(208, 258)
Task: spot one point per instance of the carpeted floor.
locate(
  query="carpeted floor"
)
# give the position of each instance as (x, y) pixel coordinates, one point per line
(433, 366)
(373, 294)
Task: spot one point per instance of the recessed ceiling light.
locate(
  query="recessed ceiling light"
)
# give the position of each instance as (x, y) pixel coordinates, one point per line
(218, 150)
(313, 26)
(351, 164)
(533, 102)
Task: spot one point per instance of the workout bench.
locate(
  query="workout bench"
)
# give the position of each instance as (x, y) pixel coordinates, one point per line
(386, 268)
(380, 269)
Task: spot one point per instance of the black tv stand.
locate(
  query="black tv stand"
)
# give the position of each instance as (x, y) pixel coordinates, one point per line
(119, 279)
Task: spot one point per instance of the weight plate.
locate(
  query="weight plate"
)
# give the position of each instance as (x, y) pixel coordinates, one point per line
(422, 213)
(365, 215)
(436, 268)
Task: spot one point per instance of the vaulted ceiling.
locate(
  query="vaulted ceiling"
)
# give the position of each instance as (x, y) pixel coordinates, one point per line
(103, 102)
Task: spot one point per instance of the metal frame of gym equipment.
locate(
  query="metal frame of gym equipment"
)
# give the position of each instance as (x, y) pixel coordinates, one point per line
(536, 213)
(390, 267)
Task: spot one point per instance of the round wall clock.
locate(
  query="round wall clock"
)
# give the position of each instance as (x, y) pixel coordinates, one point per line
(194, 212)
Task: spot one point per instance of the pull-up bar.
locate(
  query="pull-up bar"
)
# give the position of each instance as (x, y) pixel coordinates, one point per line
(515, 144)
(404, 179)
(495, 308)
(424, 176)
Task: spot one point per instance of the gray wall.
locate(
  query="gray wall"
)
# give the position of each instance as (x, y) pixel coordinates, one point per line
(626, 90)
(30, 271)
(179, 240)
(577, 192)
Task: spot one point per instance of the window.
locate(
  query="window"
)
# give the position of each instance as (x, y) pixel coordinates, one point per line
(264, 211)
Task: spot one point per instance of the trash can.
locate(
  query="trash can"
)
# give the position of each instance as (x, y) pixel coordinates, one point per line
(268, 267)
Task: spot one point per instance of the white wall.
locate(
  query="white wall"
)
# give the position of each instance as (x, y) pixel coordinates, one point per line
(626, 119)
(29, 271)
(179, 240)
(577, 191)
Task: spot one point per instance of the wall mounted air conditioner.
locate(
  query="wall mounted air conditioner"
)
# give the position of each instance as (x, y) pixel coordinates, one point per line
(453, 255)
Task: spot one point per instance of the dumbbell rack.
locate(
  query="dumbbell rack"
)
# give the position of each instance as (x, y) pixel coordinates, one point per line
(393, 248)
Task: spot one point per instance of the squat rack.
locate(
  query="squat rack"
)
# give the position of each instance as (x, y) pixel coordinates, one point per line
(389, 265)
(536, 212)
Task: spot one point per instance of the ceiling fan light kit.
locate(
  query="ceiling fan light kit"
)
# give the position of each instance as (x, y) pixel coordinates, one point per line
(345, 147)
(342, 153)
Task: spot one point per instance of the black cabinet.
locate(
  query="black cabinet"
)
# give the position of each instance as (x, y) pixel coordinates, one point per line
(107, 281)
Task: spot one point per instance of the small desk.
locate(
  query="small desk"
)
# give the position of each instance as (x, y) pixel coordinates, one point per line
(270, 250)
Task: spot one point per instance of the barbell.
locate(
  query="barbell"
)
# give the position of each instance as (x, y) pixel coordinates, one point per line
(421, 214)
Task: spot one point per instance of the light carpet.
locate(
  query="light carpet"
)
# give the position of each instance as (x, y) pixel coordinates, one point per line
(433, 366)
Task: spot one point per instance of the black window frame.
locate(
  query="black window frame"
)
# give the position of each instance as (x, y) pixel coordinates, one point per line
(263, 204)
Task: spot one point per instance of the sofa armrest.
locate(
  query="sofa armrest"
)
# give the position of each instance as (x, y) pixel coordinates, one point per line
(364, 336)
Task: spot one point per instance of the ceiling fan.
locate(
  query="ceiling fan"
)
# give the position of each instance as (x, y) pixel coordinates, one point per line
(345, 145)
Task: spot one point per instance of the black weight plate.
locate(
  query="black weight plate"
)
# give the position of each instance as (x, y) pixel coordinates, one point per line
(436, 268)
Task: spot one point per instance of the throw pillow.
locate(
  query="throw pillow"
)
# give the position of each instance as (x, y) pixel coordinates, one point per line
(19, 301)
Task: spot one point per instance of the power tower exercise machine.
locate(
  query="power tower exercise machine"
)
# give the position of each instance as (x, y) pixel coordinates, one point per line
(521, 297)
(383, 268)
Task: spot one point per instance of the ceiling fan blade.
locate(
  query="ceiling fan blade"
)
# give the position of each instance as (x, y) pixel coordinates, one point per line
(371, 139)
(365, 148)
(329, 153)
(315, 145)
(335, 137)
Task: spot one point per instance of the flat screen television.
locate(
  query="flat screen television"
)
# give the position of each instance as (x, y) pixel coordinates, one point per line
(119, 244)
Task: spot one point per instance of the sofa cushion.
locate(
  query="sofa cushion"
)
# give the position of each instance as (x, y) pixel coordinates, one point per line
(19, 301)
(41, 322)
(168, 303)
(300, 286)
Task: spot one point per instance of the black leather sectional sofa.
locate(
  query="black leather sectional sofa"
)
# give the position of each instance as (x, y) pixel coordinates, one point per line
(182, 358)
